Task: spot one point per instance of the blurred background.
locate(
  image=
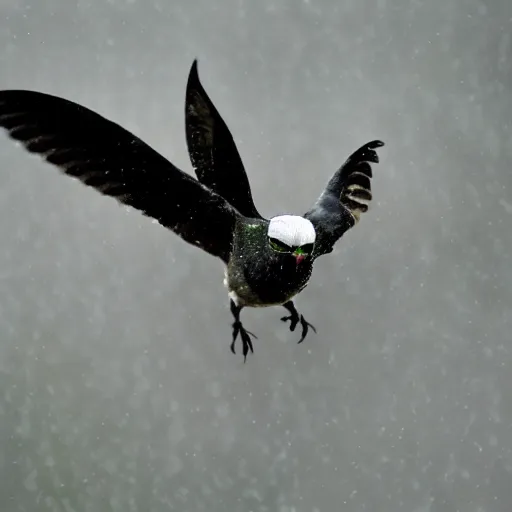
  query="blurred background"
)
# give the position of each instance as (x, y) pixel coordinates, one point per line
(118, 391)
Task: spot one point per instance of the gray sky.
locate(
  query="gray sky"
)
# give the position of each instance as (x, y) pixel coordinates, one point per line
(118, 390)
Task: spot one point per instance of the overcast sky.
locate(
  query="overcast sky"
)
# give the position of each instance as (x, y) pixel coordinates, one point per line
(118, 391)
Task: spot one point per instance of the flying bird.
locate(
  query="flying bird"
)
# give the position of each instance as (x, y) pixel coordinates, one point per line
(267, 261)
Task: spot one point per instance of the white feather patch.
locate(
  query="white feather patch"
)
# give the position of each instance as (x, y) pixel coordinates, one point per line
(292, 230)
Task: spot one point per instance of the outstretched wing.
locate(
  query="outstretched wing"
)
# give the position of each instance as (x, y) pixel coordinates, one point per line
(105, 156)
(345, 197)
(212, 150)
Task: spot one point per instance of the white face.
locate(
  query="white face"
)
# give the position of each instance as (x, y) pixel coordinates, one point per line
(291, 232)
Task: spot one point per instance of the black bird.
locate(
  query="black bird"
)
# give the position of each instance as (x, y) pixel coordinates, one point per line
(267, 262)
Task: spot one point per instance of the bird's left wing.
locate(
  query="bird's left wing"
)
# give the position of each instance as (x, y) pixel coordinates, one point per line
(344, 198)
(213, 151)
(115, 162)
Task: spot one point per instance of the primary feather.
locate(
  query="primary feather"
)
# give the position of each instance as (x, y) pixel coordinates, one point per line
(105, 156)
(345, 197)
(213, 151)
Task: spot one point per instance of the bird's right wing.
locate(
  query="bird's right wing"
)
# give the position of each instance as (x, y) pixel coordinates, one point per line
(344, 198)
(115, 162)
(213, 151)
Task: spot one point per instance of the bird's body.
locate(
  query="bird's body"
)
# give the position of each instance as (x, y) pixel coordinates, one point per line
(257, 276)
(268, 261)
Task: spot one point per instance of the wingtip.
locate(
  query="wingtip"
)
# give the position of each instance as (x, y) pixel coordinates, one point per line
(193, 73)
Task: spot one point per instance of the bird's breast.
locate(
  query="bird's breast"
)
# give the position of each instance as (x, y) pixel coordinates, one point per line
(260, 283)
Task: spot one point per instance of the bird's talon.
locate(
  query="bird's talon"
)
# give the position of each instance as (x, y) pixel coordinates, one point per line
(293, 321)
(252, 334)
(245, 336)
(247, 343)
(305, 328)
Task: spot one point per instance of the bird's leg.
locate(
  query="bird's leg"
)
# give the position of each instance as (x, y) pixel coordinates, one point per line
(238, 328)
(295, 318)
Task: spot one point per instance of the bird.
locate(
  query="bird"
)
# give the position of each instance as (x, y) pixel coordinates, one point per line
(267, 261)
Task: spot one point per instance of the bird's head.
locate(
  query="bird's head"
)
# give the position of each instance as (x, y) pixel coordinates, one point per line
(291, 234)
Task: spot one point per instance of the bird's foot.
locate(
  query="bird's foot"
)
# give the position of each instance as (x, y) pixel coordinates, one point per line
(245, 335)
(294, 320)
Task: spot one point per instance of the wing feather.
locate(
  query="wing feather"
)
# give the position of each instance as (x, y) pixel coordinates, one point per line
(105, 156)
(213, 151)
(345, 197)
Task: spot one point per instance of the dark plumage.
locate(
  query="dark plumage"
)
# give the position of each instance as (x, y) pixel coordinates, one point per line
(267, 261)
(212, 150)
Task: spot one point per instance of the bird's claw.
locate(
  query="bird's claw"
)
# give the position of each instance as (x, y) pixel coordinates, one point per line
(245, 336)
(305, 328)
(294, 320)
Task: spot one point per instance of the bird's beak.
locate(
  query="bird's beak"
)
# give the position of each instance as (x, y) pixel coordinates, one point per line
(299, 257)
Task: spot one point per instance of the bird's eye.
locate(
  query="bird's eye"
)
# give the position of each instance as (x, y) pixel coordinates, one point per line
(279, 246)
(307, 248)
